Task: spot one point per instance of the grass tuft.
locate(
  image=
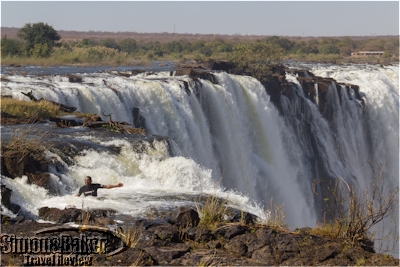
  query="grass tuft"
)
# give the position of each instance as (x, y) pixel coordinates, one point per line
(29, 141)
(276, 217)
(211, 212)
(27, 110)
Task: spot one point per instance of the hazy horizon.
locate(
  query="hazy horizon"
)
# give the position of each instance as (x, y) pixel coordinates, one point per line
(282, 18)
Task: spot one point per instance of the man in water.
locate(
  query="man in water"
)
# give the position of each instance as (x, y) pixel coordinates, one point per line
(90, 189)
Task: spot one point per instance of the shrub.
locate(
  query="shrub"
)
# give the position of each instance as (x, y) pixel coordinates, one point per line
(353, 215)
(10, 47)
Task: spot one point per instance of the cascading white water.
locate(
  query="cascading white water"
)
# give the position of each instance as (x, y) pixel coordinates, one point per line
(231, 132)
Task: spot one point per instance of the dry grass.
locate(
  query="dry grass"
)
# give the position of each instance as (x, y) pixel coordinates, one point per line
(211, 212)
(354, 214)
(276, 217)
(29, 141)
(129, 236)
(27, 110)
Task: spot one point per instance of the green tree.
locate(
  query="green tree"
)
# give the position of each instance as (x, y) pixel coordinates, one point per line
(256, 58)
(128, 45)
(285, 43)
(40, 34)
(40, 50)
(10, 47)
(328, 49)
(110, 43)
(86, 43)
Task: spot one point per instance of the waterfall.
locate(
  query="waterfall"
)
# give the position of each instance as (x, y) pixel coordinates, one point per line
(233, 130)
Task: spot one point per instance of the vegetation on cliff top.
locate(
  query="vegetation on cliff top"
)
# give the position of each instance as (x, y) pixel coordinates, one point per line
(42, 46)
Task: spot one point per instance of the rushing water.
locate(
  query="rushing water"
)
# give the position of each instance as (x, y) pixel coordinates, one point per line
(228, 139)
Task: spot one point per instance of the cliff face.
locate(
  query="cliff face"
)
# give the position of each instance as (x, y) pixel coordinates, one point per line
(315, 88)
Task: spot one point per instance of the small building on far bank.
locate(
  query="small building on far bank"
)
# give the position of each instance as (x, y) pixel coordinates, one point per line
(367, 53)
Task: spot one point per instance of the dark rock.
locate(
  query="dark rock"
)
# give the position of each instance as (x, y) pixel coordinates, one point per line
(18, 219)
(278, 69)
(185, 217)
(265, 256)
(198, 234)
(6, 200)
(302, 73)
(5, 196)
(68, 121)
(42, 179)
(222, 66)
(196, 74)
(136, 71)
(234, 215)
(166, 232)
(234, 230)
(237, 245)
(74, 78)
(60, 216)
(164, 255)
(274, 88)
(327, 252)
(214, 244)
(123, 74)
(138, 120)
(18, 163)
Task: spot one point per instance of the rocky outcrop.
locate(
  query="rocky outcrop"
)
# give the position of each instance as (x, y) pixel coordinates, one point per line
(203, 70)
(316, 88)
(17, 163)
(6, 199)
(72, 214)
(196, 74)
(72, 78)
(170, 242)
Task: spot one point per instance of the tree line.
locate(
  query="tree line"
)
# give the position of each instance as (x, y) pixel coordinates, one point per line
(39, 40)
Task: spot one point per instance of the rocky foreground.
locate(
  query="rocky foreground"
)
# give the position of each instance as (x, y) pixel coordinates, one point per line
(180, 240)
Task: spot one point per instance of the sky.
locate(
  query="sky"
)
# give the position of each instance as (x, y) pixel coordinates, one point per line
(282, 18)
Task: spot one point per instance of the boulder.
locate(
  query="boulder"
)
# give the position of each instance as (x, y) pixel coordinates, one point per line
(18, 163)
(44, 180)
(136, 71)
(165, 254)
(60, 216)
(185, 217)
(6, 200)
(196, 74)
(74, 78)
(199, 234)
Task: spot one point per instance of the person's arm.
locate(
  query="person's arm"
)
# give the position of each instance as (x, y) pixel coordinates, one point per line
(79, 193)
(112, 185)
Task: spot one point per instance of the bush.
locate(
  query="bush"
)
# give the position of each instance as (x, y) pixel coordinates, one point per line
(353, 215)
(10, 47)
